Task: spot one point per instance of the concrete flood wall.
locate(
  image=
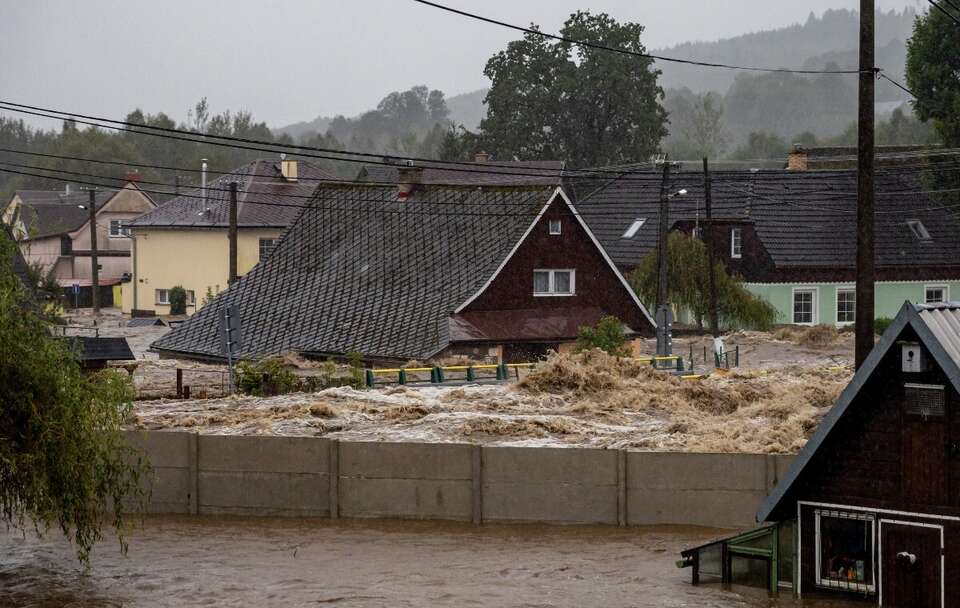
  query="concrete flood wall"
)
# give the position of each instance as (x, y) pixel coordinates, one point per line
(298, 476)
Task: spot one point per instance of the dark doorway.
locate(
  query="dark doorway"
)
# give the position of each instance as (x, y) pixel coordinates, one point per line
(911, 566)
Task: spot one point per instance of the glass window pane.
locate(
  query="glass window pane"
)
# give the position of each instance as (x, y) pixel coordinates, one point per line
(541, 282)
(846, 306)
(846, 551)
(554, 226)
(935, 295)
(803, 306)
(561, 281)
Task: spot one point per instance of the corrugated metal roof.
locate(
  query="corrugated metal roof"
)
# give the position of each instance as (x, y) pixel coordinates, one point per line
(944, 323)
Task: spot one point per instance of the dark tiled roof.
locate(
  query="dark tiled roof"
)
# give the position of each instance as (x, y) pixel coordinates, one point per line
(803, 219)
(360, 271)
(264, 199)
(48, 212)
(145, 322)
(101, 349)
(494, 173)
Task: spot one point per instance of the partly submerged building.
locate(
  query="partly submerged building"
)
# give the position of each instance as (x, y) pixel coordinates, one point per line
(791, 235)
(415, 271)
(870, 508)
(184, 242)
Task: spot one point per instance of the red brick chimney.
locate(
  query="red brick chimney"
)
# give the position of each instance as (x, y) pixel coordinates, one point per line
(133, 176)
(409, 177)
(797, 159)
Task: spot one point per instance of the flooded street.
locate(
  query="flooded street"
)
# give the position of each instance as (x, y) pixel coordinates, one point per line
(207, 561)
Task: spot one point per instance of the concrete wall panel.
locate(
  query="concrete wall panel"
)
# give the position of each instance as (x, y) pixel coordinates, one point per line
(376, 460)
(264, 475)
(406, 498)
(550, 485)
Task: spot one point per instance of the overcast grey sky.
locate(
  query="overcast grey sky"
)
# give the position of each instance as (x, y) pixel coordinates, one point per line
(296, 59)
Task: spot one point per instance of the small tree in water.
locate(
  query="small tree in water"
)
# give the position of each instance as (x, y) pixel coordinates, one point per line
(689, 286)
(63, 460)
(607, 335)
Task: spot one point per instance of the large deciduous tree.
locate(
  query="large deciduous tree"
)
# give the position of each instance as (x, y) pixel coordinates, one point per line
(63, 460)
(933, 73)
(560, 100)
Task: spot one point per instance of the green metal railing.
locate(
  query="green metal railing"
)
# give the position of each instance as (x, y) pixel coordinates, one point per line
(501, 371)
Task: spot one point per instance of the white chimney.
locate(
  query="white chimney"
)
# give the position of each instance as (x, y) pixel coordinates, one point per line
(203, 179)
(66, 189)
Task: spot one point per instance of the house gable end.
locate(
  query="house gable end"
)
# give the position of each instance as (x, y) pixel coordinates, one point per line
(908, 321)
(597, 284)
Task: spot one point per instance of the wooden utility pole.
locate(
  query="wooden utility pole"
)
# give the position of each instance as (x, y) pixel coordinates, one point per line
(94, 262)
(664, 316)
(711, 261)
(865, 187)
(232, 234)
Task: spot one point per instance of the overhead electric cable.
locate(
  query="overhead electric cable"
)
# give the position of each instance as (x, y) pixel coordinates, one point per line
(583, 43)
(945, 12)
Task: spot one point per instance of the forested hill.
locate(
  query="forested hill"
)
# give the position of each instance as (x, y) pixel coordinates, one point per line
(830, 37)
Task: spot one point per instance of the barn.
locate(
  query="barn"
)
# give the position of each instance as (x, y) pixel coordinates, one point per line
(870, 508)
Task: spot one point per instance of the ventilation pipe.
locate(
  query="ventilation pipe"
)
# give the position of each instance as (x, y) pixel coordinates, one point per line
(203, 179)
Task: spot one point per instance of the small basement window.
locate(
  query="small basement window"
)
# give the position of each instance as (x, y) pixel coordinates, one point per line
(736, 243)
(633, 228)
(163, 296)
(845, 550)
(554, 282)
(555, 226)
(918, 230)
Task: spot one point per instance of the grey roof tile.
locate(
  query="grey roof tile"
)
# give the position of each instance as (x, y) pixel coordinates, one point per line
(264, 199)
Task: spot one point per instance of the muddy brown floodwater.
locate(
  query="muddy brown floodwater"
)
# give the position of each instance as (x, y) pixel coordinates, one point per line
(207, 561)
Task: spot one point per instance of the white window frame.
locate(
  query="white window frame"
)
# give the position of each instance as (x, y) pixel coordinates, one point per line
(555, 226)
(836, 306)
(874, 551)
(816, 305)
(551, 290)
(943, 286)
(260, 255)
(919, 230)
(736, 243)
(634, 228)
(123, 231)
(165, 300)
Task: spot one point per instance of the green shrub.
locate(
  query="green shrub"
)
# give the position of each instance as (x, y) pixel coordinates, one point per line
(880, 325)
(269, 376)
(355, 359)
(178, 300)
(607, 335)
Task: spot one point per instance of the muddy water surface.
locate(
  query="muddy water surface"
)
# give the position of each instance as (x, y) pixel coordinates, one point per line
(206, 561)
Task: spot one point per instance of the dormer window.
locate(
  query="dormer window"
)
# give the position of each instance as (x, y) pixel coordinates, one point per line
(634, 228)
(918, 230)
(555, 227)
(736, 243)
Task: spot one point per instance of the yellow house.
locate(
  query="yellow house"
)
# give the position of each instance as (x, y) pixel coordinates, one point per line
(184, 242)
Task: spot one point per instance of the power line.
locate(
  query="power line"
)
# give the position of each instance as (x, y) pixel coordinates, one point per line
(367, 158)
(945, 11)
(583, 43)
(846, 197)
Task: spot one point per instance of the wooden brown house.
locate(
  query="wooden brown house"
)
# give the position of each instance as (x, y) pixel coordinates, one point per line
(870, 508)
